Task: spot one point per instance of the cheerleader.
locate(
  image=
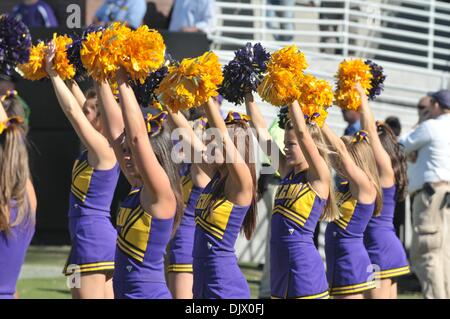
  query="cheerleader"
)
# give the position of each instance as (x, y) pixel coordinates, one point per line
(193, 180)
(304, 195)
(148, 214)
(17, 202)
(226, 206)
(349, 269)
(94, 178)
(385, 250)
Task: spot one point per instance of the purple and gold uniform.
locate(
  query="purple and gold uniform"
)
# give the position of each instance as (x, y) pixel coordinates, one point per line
(92, 234)
(218, 223)
(141, 244)
(182, 243)
(384, 247)
(349, 269)
(13, 247)
(296, 268)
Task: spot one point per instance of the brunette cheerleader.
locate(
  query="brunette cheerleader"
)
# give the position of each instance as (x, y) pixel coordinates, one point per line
(349, 269)
(385, 250)
(226, 206)
(304, 195)
(148, 214)
(17, 202)
(94, 178)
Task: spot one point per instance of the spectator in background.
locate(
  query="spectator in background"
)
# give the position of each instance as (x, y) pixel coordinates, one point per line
(353, 120)
(394, 123)
(35, 13)
(288, 14)
(131, 12)
(192, 16)
(429, 185)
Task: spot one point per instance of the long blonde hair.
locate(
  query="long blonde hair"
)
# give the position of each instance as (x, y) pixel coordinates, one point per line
(331, 211)
(363, 156)
(14, 174)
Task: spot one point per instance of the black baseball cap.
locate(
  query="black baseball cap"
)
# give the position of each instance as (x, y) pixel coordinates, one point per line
(442, 97)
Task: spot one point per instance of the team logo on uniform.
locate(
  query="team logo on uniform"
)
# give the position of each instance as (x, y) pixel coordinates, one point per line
(129, 268)
(209, 245)
(291, 231)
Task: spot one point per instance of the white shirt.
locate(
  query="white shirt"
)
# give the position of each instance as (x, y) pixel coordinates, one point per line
(193, 13)
(432, 141)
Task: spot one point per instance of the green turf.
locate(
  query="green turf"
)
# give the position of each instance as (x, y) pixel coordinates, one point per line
(42, 278)
(43, 288)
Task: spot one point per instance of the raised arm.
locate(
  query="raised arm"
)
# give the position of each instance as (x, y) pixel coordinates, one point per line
(95, 142)
(387, 177)
(76, 92)
(360, 184)
(239, 185)
(319, 171)
(264, 138)
(157, 188)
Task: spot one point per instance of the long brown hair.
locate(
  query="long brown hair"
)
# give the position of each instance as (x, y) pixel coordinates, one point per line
(14, 174)
(15, 106)
(241, 132)
(331, 211)
(398, 159)
(162, 147)
(362, 154)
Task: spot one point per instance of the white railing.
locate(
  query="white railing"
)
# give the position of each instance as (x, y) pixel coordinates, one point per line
(405, 36)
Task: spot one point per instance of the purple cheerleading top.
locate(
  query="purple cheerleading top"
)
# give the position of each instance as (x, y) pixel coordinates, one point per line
(13, 248)
(141, 243)
(297, 208)
(182, 244)
(386, 218)
(218, 223)
(353, 215)
(92, 190)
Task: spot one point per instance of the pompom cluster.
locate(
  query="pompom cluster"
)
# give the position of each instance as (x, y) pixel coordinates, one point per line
(244, 73)
(139, 52)
(191, 83)
(377, 81)
(101, 51)
(34, 69)
(315, 94)
(61, 62)
(73, 52)
(350, 72)
(15, 43)
(285, 72)
(143, 53)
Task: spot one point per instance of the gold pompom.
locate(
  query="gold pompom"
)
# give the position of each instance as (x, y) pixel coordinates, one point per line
(284, 74)
(61, 63)
(315, 95)
(34, 69)
(191, 83)
(352, 71)
(102, 51)
(143, 53)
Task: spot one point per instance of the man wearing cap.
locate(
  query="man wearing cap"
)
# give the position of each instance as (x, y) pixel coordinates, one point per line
(429, 186)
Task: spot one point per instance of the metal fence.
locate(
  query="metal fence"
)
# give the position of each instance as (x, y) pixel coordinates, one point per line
(406, 36)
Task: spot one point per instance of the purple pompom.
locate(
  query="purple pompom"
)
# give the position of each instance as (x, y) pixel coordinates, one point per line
(145, 93)
(378, 78)
(73, 52)
(244, 73)
(15, 43)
